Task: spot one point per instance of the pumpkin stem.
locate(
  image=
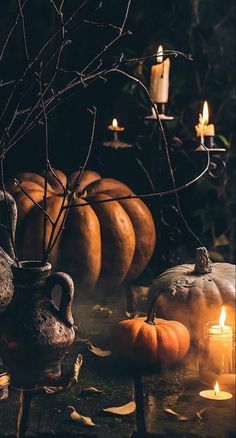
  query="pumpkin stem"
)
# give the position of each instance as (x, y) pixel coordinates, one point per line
(203, 264)
(151, 313)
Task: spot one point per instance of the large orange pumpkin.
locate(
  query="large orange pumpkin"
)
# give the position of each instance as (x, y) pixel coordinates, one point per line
(102, 244)
(151, 341)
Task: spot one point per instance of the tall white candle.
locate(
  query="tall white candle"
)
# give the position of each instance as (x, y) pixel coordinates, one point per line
(159, 87)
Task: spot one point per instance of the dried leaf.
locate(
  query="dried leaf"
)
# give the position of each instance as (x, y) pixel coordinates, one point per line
(200, 413)
(85, 421)
(101, 312)
(127, 409)
(77, 367)
(99, 352)
(96, 309)
(177, 416)
(51, 389)
(76, 370)
(91, 390)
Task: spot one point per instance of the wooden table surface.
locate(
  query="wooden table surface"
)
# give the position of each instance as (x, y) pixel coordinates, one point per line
(176, 389)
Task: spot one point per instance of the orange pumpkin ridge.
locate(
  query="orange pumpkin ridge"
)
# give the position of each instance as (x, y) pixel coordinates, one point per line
(103, 244)
(151, 341)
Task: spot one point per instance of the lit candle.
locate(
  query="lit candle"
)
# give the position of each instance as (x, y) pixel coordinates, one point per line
(220, 348)
(115, 126)
(159, 87)
(216, 394)
(203, 129)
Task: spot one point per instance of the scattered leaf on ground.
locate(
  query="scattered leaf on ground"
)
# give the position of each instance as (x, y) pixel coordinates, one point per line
(99, 352)
(52, 389)
(200, 414)
(91, 390)
(101, 312)
(76, 370)
(127, 409)
(85, 421)
(175, 415)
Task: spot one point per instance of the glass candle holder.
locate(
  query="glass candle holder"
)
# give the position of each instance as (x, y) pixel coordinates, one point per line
(217, 355)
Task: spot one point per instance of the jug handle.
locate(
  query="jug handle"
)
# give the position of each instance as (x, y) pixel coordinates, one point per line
(67, 293)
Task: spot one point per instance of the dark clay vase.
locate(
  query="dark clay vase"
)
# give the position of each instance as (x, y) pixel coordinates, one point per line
(34, 333)
(6, 249)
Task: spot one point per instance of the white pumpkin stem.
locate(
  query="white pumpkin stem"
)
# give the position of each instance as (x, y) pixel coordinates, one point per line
(203, 264)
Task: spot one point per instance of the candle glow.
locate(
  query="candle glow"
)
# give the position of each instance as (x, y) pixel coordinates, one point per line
(115, 126)
(216, 388)
(114, 123)
(160, 55)
(222, 317)
(203, 129)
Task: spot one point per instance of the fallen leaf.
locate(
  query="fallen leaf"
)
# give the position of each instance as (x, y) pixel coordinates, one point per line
(51, 389)
(101, 312)
(99, 352)
(91, 390)
(96, 309)
(127, 409)
(85, 421)
(177, 416)
(76, 370)
(200, 413)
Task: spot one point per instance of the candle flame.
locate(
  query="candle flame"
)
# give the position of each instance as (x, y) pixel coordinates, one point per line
(205, 116)
(114, 123)
(160, 55)
(216, 388)
(222, 317)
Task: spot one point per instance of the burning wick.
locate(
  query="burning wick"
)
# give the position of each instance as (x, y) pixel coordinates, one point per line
(216, 388)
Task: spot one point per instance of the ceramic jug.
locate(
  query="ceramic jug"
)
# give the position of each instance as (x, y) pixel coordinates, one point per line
(6, 249)
(34, 333)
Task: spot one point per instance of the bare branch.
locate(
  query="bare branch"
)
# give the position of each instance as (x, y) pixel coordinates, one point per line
(126, 16)
(78, 179)
(11, 32)
(23, 30)
(34, 202)
(46, 165)
(154, 194)
(165, 53)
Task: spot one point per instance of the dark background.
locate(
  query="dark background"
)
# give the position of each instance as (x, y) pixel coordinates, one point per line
(206, 29)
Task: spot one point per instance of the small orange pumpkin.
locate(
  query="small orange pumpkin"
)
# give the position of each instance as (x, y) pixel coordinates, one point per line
(151, 341)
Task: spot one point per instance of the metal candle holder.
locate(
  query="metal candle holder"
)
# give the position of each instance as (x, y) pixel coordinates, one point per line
(162, 111)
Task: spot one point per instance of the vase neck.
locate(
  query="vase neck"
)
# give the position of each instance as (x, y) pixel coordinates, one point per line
(30, 275)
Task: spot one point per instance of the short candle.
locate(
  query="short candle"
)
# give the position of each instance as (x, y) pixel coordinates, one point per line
(115, 126)
(216, 394)
(203, 129)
